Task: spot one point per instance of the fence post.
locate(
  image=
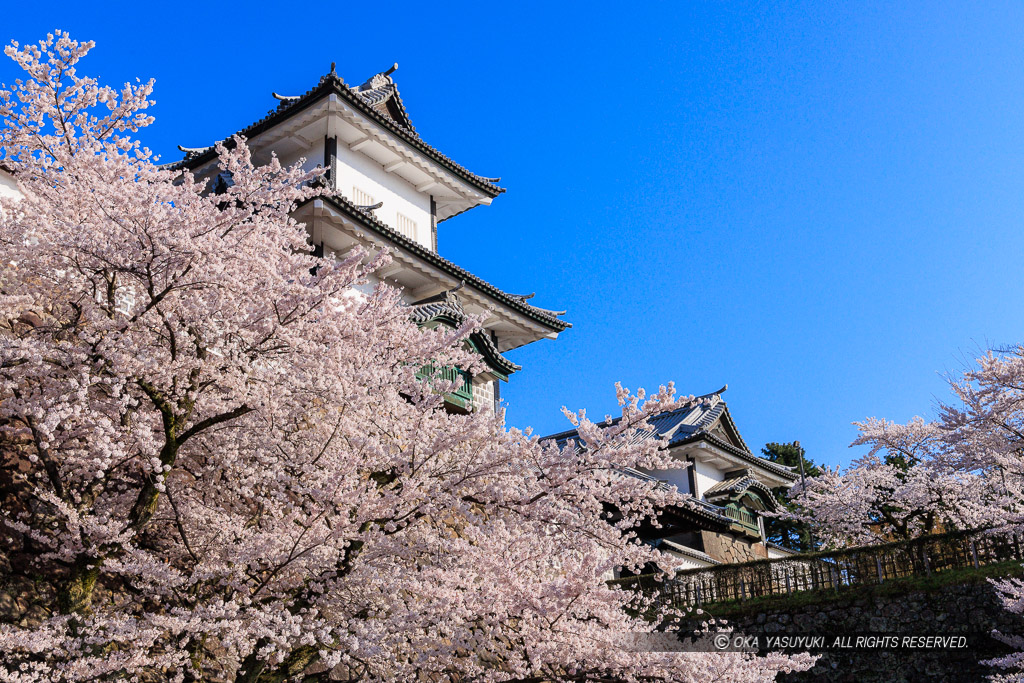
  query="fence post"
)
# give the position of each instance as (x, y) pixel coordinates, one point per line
(878, 563)
(788, 589)
(743, 589)
(927, 564)
(974, 554)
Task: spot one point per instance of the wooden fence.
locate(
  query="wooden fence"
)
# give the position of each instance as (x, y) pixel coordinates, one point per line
(863, 566)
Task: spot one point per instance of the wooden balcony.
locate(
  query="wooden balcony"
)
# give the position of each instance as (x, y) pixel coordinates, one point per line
(461, 398)
(744, 521)
(741, 516)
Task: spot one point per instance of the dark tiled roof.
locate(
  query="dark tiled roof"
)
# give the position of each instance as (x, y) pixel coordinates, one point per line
(447, 307)
(381, 93)
(369, 221)
(681, 549)
(735, 486)
(377, 99)
(686, 505)
(692, 423)
(776, 468)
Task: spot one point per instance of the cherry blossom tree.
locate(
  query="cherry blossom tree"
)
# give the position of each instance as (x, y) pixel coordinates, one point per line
(964, 470)
(985, 432)
(219, 462)
(906, 486)
(1011, 667)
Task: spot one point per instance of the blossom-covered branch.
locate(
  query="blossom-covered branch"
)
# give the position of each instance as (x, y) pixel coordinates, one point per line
(218, 462)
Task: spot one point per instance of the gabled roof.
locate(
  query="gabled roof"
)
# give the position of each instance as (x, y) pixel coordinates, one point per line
(735, 486)
(697, 421)
(381, 93)
(377, 99)
(447, 308)
(517, 303)
(685, 505)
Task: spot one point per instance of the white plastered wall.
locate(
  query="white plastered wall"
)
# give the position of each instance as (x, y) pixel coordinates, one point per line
(678, 477)
(355, 170)
(8, 187)
(775, 553)
(706, 476)
(683, 562)
(398, 196)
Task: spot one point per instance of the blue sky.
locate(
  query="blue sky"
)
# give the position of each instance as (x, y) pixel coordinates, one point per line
(819, 205)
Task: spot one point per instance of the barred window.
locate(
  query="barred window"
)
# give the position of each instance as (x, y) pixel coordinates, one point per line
(361, 197)
(406, 226)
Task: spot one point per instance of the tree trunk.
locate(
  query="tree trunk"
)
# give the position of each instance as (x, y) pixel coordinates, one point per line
(75, 595)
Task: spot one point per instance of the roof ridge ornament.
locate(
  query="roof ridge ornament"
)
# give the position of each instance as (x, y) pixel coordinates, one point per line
(714, 397)
(285, 98)
(548, 311)
(369, 207)
(191, 152)
(380, 82)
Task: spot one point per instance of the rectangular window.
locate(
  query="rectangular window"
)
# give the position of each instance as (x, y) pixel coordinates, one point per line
(362, 198)
(407, 226)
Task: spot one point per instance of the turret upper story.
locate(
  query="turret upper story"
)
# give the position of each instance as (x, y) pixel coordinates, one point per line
(364, 137)
(393, 189)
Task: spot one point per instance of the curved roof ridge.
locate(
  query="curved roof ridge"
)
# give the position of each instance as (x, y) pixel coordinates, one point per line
(740, 483)
(447, 307)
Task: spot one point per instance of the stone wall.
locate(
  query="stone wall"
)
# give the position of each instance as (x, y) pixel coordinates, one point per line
(733, 549)
(971, 609)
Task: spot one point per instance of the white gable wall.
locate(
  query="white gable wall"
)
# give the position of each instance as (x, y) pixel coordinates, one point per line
(405, 210)
(705, 476)
(678, 477)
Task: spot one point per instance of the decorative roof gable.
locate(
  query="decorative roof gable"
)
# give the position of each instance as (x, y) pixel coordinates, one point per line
(446, 308)
(733, 488)
(381, 93)
(706, 419)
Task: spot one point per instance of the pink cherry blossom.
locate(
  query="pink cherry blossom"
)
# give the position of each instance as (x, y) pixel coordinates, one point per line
(219, 465)
(964, 470)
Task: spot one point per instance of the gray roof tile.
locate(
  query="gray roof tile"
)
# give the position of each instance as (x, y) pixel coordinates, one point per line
(692, 423)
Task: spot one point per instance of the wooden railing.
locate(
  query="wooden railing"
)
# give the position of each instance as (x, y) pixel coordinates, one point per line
(741, 516)
(843, 569)
(461, 397)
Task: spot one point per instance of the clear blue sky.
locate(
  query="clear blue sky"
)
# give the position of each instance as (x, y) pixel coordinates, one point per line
(819, 205)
